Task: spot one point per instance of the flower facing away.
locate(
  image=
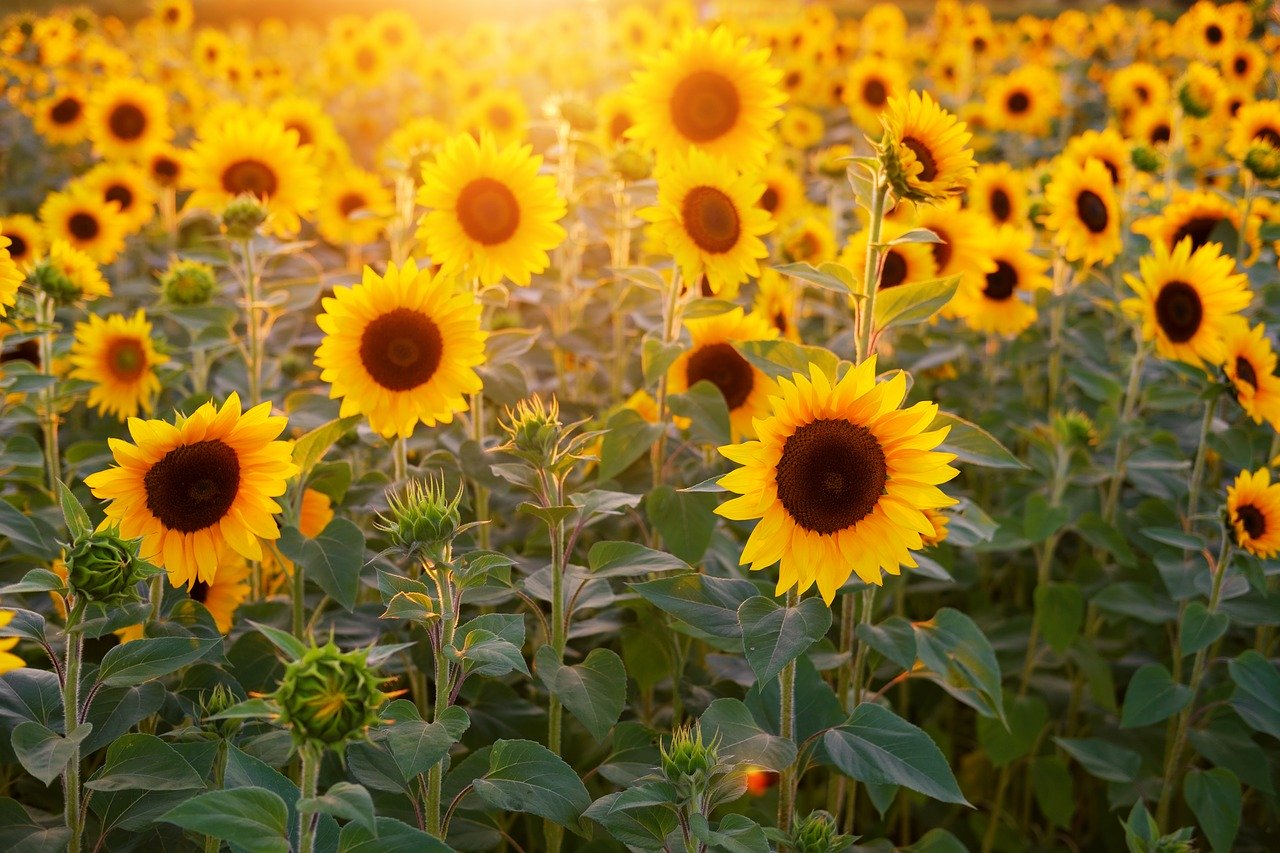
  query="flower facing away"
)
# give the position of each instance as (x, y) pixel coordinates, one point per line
(1253, 513)
(329, 697)
(839, 478)
(189, 487)
(401, 348)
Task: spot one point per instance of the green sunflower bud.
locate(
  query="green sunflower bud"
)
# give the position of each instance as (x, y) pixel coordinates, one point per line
(535, 431)
(242, 217)
(817, 834)
(104, 568)
(689, 762)
(1263, 161)
(329, 697)
(423, 521)
(1145, 159)
(632, 164)
(188, 283)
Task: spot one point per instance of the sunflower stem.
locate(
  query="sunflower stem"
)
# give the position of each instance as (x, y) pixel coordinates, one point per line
(871, 271)
(310, 779)
(787, 728)
(71, 722)
(1173, 757)
(1197, 468)
(46, 317)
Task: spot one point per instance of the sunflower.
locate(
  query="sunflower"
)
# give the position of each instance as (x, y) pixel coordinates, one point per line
(128, 117)
(709, 91)
(1000, 192)
(1084, 215)
(925, 149)
(1253, 510)
(126, 185)
(490, 214)
(354, 207)
(1188, 299)
(117, 355)
(499, 112)
(86, 221)
(783, 195)
(905, 263)
(254, 155)
(1108, 148)
(776, 302)
(62, 118)
(708, 218)
(869, 85)
(11, 278)
(1250, 365)
(840, 478)
(189, 488)
(1023, 101)
(401, 348)
(1258, 122)
(999, 302)
(26, 238)
(712, 357)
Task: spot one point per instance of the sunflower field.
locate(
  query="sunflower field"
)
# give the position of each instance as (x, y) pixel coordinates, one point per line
(655, 426)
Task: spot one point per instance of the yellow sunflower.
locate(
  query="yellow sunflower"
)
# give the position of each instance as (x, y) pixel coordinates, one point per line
(85, 221)
(117, 355)
(1254, 123)
(401, 348)
(710, 91)
(870, 83)
(1188, 299)
(708, 219)
(1084, 214)
(253, 155)
(190, 487)
(11, 278)
(1025, 100)
(128, 186)
(1250, 364)
(925, 149)
(62, 118)
(127, 117)
(840, 478)
(999, 191)
(490, 214)
(1000, 301)
(712, 357)
(354, 207)
(26, 238)
(1253, 510)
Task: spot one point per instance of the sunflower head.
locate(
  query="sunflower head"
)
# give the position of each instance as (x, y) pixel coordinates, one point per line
(105, 569)
(329, 697)
(1253, 513)
(924, 149)
(423, 520)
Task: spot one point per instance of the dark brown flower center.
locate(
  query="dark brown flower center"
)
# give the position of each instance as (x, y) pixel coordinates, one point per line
(65, 111)
(488, 211)
(1179, 311)
(1245, 371)
(1018, 103)
(127, 122)
(831, 475)
(1092, 211)
(1002, 283)
(705, 106)
(875, 93)
(722, 366)
(1252, 519)
(710, 219)
(1198, 228)
(193, 486)
(83, 226)
(250, 176)
(401, 349)
(1001, 205)
(894, 271)
(126, 359)
(350, 203)
(121, 195)
(929, 167)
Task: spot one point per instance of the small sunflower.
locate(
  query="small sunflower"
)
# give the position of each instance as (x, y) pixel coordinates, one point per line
(708, 218)
(1250, 365)
(26, 238)
(1188, 299)
(1253, 511)
(250, 154)
(840, 478)
(490, 214)
(190, 487)
(1024, 101)
(128, 117)
(1084, 214)
(86, 221)
(925, 149)
(999, 302)
(712, 357)
(1000, 192)
(354, 207)
(401, 348)
(709, 91)
(118, 356)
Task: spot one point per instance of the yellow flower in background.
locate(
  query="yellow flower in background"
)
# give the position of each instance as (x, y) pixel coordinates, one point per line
(118, 356)
(128, 117)
(708, 219)
(190, 487)
(1084, 214)
(1250, 364)
(925, 149)
(401, 348)
(1253, 512)
(712, 357)
(710, 91)
(1001, 301)
(1188, 299)
(490, 214)
(839, 478)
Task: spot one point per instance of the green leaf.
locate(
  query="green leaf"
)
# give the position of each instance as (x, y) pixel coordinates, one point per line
(640, 817)
(973, 444)
(953, 647)
(913, 303)
(1257, 696)
(742, 740)
(1215, 799)
(151, 657)
(1027, 717)
(1152, 696)
(44, 753)
(708, 603)
(774, 635)
(622, 559)
(685, 520)
(417, 746)
(78, 524)
(1102, 758)
(344, 800)
(312, 447)
(895, 638)
(251, 818)
(831, 277)
(526, 777)
(629, 437)
(144, 762)
(389, 836)
(878, 746)
(1054, 788)
(1060, 609)
(1200, 628)
(704, 405)
(594, 691)
(333, 559)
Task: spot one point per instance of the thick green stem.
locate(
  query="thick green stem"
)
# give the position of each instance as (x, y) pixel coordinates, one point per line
(787, 730)
(310, 779)
(71, 722)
